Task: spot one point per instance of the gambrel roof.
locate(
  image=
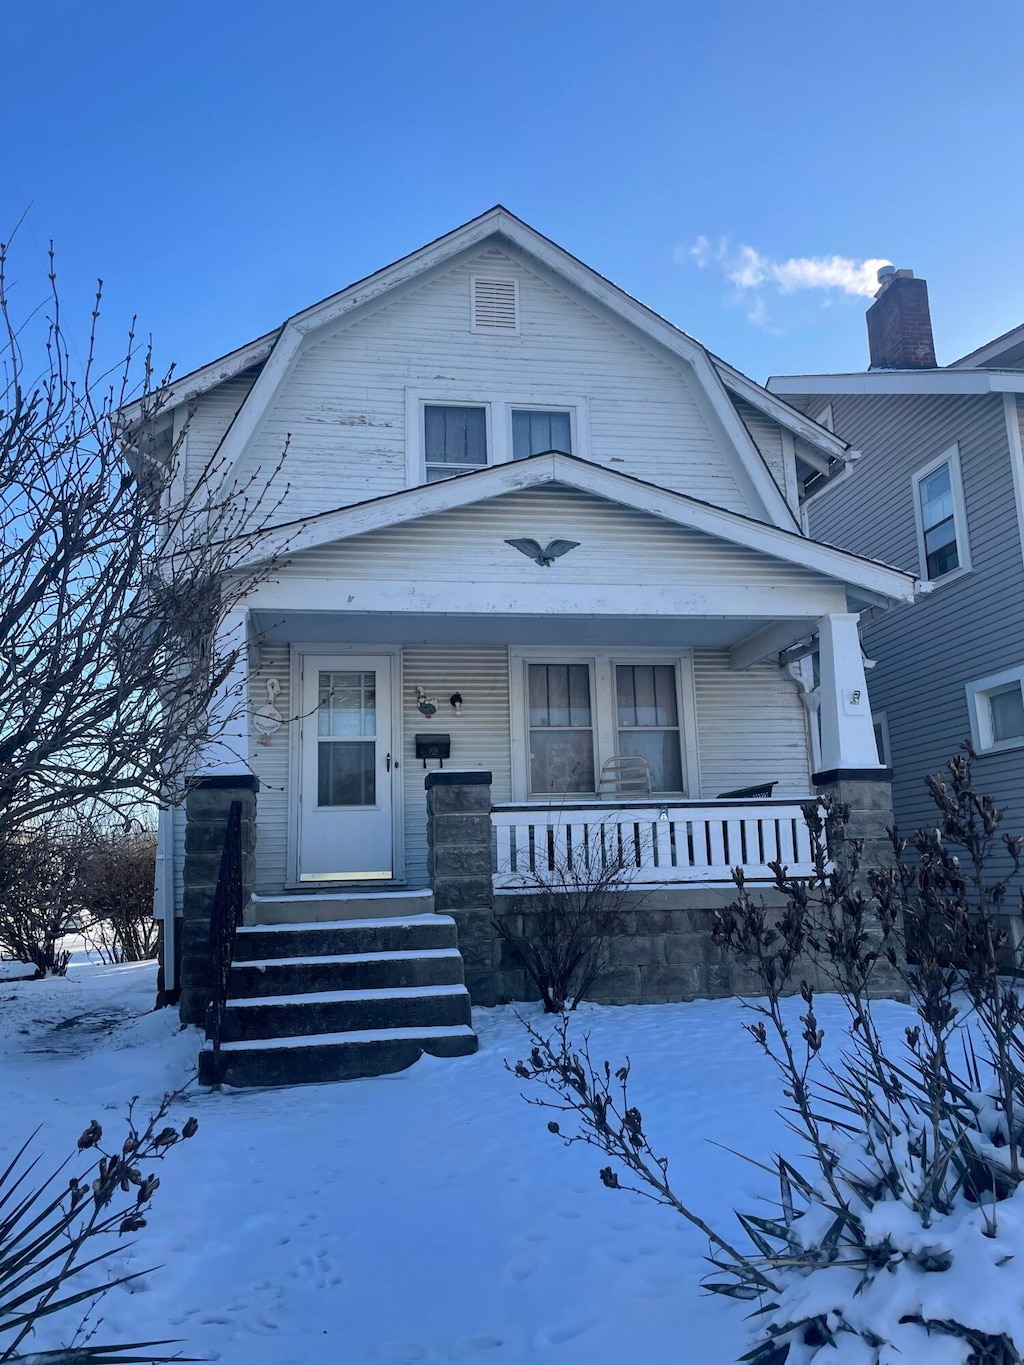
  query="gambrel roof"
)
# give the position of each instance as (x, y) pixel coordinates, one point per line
(275, 353)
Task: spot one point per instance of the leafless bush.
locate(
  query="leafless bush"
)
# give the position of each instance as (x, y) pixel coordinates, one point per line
(50, 1232)
(38, 902)
(913, 1162)
(116, 872)
(575, 899)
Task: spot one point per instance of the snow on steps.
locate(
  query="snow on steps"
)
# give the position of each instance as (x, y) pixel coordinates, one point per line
(337, 905)
(341, 997)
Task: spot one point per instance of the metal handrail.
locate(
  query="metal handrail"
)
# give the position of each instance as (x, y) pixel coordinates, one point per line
(225, 918)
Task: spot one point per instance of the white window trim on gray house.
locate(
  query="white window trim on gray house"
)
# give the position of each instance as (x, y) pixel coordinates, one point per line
(880, 722)
(950, 457)
(979, 707)
(499, 408)
(602, 664)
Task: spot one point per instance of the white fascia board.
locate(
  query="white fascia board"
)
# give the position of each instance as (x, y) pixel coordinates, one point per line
(396, 509)
(943, 381)
(796, 422)
(207, 377)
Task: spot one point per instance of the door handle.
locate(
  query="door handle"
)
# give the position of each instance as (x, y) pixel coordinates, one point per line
(387, 762)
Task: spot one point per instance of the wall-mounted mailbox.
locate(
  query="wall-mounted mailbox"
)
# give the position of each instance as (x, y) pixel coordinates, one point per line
(433, 746)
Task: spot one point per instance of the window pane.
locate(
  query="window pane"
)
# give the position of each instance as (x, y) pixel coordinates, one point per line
(661, 749)
(936, 497)
(559, 694)
(347, 703)
(940, 547)
(646, 694)
(1007, 707)
(561, 761)
(455, 435)
(346, 773)
(535, 431)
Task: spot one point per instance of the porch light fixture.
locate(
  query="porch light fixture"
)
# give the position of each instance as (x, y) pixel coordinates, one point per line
(456, 702)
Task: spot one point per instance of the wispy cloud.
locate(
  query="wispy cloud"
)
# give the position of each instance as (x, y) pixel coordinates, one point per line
(754, 275)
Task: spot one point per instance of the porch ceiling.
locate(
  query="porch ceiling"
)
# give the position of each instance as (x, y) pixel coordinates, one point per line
(409, 628)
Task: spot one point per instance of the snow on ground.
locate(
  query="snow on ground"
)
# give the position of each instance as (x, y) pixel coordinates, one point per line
(427, 1216)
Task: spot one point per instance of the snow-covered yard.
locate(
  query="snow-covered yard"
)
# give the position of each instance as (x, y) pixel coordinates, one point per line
(428, 1216)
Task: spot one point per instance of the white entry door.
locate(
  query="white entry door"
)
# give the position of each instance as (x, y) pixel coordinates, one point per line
(346, 827)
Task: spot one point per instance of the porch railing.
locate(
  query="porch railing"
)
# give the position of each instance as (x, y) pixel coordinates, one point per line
(225, 918)
(653, 842)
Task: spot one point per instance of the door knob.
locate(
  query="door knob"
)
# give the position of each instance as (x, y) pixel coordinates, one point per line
(387, 762)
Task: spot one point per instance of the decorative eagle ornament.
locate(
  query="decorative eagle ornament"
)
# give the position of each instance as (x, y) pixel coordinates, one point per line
(544, 557)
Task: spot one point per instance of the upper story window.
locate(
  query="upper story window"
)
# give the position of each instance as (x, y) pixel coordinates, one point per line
(454, 440)
(996, 706)
(941, 519)
(536, 430)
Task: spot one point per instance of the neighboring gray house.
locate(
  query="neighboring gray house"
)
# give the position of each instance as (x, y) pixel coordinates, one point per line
(938, 490)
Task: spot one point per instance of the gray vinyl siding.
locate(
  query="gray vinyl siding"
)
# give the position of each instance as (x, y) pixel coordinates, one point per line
(963, 630)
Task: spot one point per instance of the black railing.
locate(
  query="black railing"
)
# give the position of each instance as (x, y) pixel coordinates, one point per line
(224, 920)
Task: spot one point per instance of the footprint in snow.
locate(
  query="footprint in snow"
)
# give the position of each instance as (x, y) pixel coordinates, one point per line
(565, 1329)
(401, 1352)
(483, 1342)
(521, 1267)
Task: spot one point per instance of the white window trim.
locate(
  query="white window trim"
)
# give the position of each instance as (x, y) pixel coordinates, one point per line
(498, 408)
(881, 719)
(602, 663)
(963, 544)
(978, 711)
(492, 331)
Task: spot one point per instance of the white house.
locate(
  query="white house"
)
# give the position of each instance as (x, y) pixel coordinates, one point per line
(485, 390)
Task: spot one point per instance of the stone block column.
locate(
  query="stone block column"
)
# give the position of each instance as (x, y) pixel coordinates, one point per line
(207, 803)
(460, 867)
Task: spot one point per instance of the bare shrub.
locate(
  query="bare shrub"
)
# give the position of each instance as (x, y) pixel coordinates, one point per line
(574, 900)
(116, 873)
(905, 1211)
(38, 902)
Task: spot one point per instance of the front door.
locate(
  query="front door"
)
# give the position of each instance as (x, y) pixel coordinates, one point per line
(346, 830)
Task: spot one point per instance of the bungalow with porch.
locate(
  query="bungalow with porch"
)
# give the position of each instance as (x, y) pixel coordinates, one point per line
(543, 574)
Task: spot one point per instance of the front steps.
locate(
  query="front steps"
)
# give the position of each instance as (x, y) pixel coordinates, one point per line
(337, 906)
(326, 1000)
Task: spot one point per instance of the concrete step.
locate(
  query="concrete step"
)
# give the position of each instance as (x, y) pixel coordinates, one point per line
(346, 971)
(389, 934)
(289, 1016)
(332, 1056)
(338, 905)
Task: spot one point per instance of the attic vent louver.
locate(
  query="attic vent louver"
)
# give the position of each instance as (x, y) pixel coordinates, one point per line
(495, 305)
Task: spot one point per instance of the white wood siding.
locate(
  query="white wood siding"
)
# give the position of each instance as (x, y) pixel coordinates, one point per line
(751, 727)
(768, 437)
(617, 546)
(480, 735)
(210, 419)
(344, 403)
(270, 764)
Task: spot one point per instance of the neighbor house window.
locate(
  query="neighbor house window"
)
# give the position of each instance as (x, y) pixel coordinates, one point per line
(941, 522)
(880, 724)
(647, 716)
(996, 706)
(454, 440)
(561, 728)
(536, 430)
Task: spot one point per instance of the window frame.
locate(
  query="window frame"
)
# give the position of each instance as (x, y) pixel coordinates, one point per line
(603, 663)
(978, 692)
(499, 408)
(881, 720)
(461, 469)
(950, 457)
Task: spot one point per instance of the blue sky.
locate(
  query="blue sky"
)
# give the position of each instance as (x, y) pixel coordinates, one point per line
(222, 164)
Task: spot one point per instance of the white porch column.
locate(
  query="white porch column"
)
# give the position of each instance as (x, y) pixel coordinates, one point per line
(228, 749)
(847, 735)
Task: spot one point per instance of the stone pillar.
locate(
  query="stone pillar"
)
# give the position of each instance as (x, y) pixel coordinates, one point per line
(207, 802)
(460, 866)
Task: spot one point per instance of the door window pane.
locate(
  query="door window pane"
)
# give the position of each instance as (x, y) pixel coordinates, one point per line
(346, 773)
(454, 440)
(561, 729)
(1007, 708)
(347, 703)
(535, 431)
(647, 713)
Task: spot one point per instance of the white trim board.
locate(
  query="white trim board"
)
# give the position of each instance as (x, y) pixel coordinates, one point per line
(951, 457)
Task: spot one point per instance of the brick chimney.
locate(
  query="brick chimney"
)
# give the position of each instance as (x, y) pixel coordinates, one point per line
(900, 323)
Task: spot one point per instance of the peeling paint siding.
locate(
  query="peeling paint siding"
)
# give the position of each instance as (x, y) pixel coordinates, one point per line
(767, 436)
(751, 727)
(480, 735)
(617, 545)
(213, 414)
(344, 402)
(965, 629)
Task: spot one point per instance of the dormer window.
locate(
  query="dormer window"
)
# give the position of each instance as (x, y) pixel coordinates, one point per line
(495, 304)
(454, 440)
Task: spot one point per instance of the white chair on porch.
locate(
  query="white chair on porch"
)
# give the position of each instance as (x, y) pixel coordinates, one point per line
(625, 775)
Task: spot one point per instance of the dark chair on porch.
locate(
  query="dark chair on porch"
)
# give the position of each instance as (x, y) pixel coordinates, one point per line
(760, 789)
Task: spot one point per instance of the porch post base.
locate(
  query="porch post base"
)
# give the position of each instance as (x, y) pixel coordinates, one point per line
(207, 802)
(460, 867)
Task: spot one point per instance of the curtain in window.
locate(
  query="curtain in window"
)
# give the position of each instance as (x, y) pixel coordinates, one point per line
(535, 431)
(561, 729)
